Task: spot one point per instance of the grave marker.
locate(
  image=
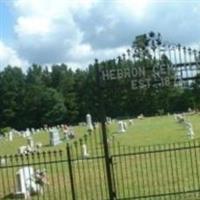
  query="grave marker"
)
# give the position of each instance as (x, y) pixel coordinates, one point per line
(10, 136)
(54, 137)
(85, 152)
(121, 128)
(30, 142)
(89, 122)
(25, 182)
(190, 131)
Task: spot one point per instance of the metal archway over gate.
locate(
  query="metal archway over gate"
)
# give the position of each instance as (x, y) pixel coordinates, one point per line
(150, 64)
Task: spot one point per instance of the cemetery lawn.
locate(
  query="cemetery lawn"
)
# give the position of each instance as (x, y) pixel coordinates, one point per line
(148, 131)
(156, 130)
(89, 174)
(10, 148)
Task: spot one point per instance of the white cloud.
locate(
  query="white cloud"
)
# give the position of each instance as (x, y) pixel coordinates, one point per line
(9, 56)
(33, 26)
(134, 8)
(76, 32)
(82, 56)
(81, 52)
(46, 31)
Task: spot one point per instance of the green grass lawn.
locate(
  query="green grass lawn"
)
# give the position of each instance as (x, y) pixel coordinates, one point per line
(156, 130)
(9, 148)
(135, 174)
(149, 131)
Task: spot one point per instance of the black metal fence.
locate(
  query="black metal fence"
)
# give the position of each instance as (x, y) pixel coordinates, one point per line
(150, 172)
(158, 172)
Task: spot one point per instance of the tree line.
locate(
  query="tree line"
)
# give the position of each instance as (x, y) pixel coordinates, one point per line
(64, 96)
(60, 95)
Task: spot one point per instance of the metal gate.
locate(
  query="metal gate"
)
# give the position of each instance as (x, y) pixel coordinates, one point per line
(153, 64)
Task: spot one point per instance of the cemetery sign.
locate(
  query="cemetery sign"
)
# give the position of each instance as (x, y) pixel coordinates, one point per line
(152, 62)
(139, 78)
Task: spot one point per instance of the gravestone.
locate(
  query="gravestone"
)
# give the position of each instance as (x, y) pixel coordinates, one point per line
(125, 125)
(190, 131)
(27, 133)
(130, 121)
(38, 131)
(121, 127)
(179, 118)
(89, 122)
(10, 136)
(38, 145)
(71, 133)
(65, 132)
(24, 150)
(141, 116)
(30, 142)
(54, 137)
(2, 161)
(32, 131)
(108, 120)
(25, 184)
(85, 152)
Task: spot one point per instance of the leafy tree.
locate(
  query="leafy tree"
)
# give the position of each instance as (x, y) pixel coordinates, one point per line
(12, 87)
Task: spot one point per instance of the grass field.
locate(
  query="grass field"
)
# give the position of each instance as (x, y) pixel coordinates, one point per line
(157, 130)
(149, 131)
(135, 173)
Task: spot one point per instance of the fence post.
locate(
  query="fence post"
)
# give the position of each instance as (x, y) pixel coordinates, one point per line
(70, 172)
(102, 118)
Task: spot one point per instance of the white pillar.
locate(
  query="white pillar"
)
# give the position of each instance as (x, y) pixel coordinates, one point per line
(85, 153)
(89, 122)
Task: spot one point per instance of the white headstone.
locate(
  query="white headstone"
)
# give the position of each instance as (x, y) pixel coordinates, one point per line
(2, 161)
(141, 116)
(54, 137)
(38, 145)
(85, 152)
(25, 183)
(27, 133)
(121, 127)
(89, 122)
(130, 121)
(10, 136)
(22, 149)
(30, 142)
(32, 131)
(190, 131)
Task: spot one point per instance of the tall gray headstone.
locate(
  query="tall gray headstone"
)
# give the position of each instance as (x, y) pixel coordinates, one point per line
(54, 137)
(121, 128)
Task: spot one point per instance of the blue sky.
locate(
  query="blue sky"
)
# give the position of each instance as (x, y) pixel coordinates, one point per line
(75, 32)
(7, 21)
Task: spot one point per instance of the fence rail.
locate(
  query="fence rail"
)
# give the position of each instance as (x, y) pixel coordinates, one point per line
(151, 172)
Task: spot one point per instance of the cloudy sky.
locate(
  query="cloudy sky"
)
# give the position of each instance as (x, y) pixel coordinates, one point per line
(77, 31)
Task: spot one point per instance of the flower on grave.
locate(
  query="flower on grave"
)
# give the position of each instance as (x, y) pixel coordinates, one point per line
(41, 177)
